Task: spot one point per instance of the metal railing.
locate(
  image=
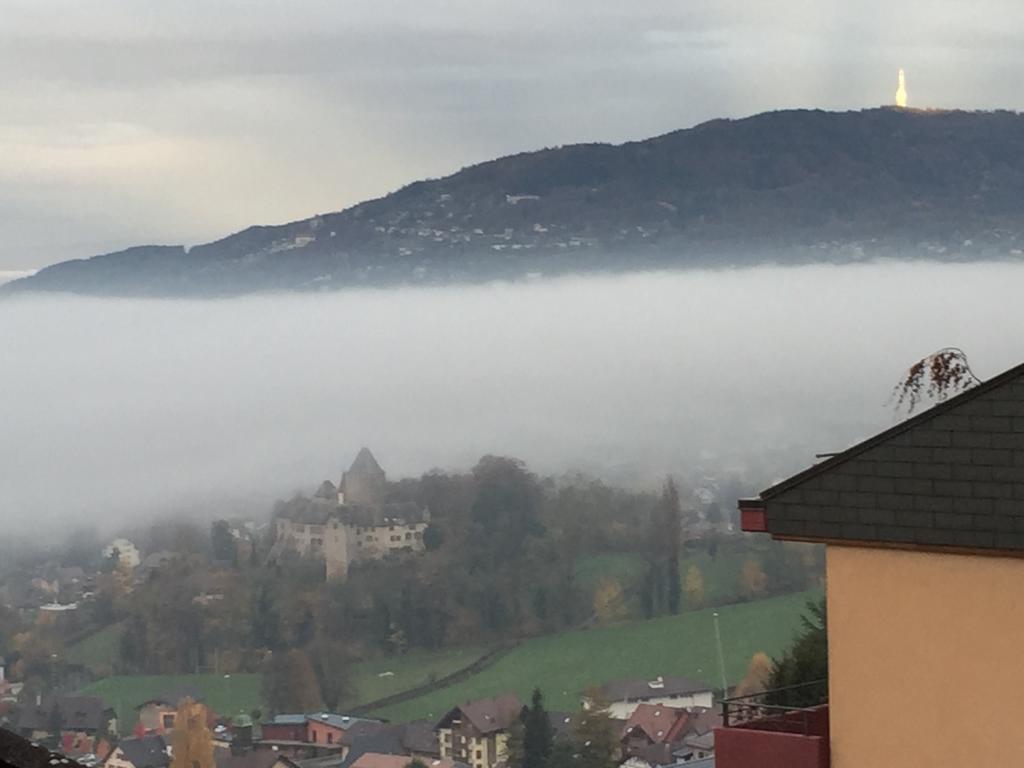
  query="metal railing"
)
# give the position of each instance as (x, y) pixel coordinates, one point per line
(791, 709)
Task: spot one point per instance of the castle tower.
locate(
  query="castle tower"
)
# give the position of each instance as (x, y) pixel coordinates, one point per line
(364, 482)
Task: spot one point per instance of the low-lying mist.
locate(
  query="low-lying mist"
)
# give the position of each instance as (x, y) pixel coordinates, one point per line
(119, 410)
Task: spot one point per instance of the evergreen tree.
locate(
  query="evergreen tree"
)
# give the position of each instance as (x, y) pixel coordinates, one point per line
(537, 734)
(672, 523)
(563, 754)
(806, 661)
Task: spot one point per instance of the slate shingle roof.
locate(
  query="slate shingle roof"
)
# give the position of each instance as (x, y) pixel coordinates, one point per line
(17, 752)
(145, 751)
(77, 713)
(950, 477)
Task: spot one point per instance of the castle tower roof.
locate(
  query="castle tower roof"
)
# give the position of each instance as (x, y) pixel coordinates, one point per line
(365, 463)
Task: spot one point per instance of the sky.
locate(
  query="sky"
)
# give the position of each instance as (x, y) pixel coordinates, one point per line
(130, 122)
(121, 410)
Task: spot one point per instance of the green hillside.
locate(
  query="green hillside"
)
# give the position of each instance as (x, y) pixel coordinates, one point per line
(371, 679)
(564, 664)
(98, 651)
(226, 695)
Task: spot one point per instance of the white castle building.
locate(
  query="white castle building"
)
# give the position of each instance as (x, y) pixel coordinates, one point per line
(350, 522)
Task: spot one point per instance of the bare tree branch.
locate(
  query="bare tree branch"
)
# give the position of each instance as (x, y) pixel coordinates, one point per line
(937, 376)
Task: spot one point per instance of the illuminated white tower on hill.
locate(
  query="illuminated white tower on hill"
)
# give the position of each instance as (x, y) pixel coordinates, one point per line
(901, 91)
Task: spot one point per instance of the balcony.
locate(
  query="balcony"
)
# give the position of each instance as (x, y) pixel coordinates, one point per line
(781, 728)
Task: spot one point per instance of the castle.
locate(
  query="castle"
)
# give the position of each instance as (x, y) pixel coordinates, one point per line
(350, 522)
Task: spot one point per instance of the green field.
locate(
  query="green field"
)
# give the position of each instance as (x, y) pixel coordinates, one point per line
(564, 664)
(409, 671)
(239, 693)
(98, 651)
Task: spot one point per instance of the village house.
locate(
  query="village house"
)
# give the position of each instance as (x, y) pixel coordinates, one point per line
(352, 522)
(224, 757)
(924, 532)
(60, 717)
(656, 736)
(141, 752)
(378, 760)
(329, 728)
(624, 696)
(158, 714)
(477, 732)
(319, 733)
(652, 732)
(284, 728)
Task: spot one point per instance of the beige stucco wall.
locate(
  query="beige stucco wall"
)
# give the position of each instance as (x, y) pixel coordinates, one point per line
(926, 666)
(623, 710)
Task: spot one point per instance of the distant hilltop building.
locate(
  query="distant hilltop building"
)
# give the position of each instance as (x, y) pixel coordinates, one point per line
(127, 553)
(901, 90)
(351, 522)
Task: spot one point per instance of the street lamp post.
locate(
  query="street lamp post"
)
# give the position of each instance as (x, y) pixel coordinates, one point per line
(721, 658)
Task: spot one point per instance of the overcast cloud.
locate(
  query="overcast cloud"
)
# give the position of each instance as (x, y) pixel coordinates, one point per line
(130, 121)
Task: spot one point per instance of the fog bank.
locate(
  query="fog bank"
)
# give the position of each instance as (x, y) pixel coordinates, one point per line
(114, 410)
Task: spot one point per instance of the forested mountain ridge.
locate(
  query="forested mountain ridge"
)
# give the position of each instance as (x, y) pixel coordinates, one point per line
(785, 187)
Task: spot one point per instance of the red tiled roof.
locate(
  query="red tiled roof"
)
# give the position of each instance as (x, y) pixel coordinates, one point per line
(377, 760)
(488, 715)
(661, 724)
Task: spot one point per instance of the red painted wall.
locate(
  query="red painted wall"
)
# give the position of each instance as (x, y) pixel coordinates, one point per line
(745, 747)
(794, 740)
(284, 732)
(318, 733)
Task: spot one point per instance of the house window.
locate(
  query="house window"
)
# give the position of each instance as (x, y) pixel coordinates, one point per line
(330, 737)
(408, 536)
(314, 737)
(479, 755)
(169, 720)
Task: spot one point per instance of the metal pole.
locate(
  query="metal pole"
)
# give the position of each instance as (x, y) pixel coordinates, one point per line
(721, 658)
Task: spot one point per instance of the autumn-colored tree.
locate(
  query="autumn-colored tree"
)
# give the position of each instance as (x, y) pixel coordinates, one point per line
(192, 743)
(594, 735)
(609, 601)
(290, 683)
(694, 587)
(753, 578)
(759, 674)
